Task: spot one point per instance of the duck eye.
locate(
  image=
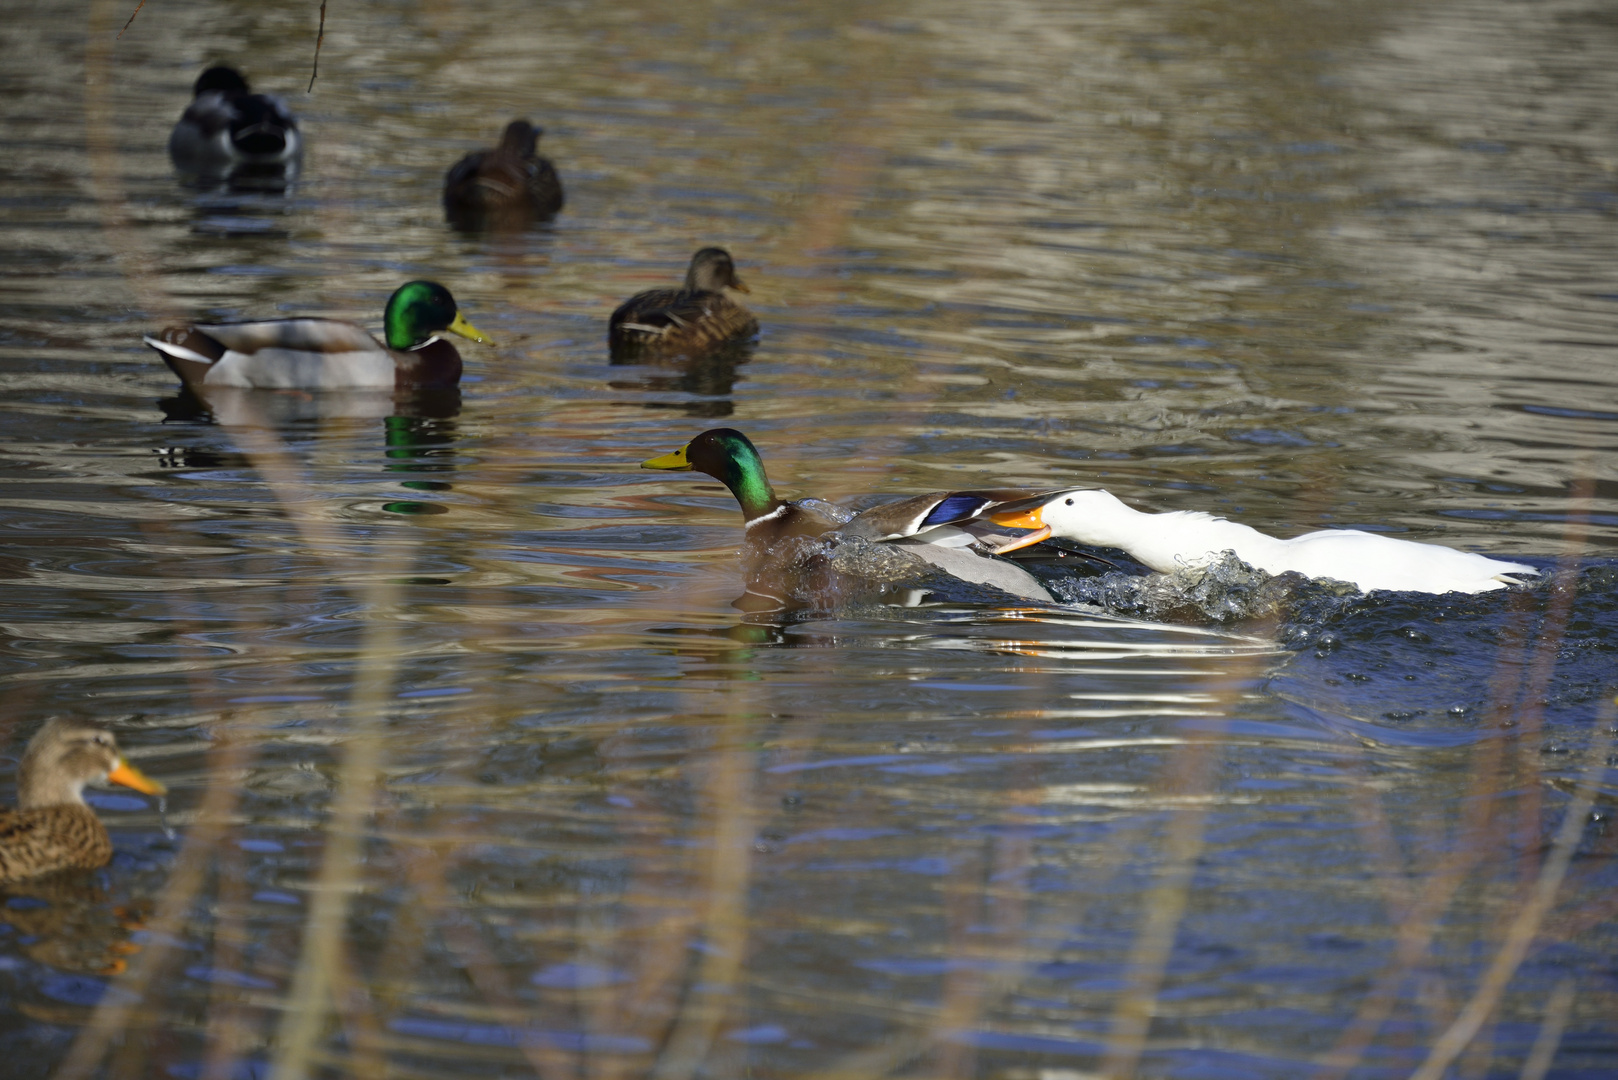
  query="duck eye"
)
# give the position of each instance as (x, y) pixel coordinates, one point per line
(1070, 502)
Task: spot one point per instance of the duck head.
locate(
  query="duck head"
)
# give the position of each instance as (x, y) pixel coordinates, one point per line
(712, 270)
(67, 754)
(419, 309)
(1085, 516)
(520, 138)
(729, 457)
(222, 79)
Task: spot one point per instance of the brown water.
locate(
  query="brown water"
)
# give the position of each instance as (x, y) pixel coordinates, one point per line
(1298, 264)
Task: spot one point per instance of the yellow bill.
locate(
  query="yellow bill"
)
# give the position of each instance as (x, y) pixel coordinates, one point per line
(675, 462)
(1022, 519)
(126, 774)
(739, 285)
(467, 330)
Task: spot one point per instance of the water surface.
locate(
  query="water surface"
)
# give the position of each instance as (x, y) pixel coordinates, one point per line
(1303, 266)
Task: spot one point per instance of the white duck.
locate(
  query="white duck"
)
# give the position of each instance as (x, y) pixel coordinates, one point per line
(1189, 538)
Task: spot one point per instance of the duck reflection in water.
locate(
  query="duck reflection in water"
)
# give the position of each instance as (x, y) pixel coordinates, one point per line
(233, 406)
(418, 428)
(707, 379)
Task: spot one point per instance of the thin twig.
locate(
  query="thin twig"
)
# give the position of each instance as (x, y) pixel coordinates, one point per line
(131, 21)
(1524, 927)
(319, 38)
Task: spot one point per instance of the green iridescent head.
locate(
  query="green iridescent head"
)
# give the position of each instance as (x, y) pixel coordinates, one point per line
(419, 309)
(726, 455)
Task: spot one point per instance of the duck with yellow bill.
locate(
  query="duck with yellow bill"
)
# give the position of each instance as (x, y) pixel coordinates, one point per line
(52, 827)
(1189, 539)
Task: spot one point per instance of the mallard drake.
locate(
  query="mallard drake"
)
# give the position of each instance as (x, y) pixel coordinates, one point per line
(52, 828)
(325, 354)
(227, 125)
(1190, 538)
(693, 318)
(509, 182)
(940, 527)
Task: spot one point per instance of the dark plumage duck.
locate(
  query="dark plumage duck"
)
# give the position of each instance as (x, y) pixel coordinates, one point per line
(52, 828)
(691, 319)
(510, 184)
(325, 354)
(944, 528)
(226, 126)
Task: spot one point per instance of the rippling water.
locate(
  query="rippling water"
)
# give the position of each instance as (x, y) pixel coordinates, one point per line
(1299, 265)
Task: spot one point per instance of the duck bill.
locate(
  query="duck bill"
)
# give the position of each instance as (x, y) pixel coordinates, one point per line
(739, 285)
(675, 462)
(1025, 519)
(126, 774)
(467, 330)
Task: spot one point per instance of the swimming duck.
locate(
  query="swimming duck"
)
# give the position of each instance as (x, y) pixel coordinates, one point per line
(695, 317)
(52, 828)
(325, 354)
(940, 527)
(509, 183)
(1189, 538)
(227, 125)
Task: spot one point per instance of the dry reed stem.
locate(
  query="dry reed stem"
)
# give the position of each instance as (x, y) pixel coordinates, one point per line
(1165, 905)
(225, 1030)
(303, 1024)
(1525, 926)
(428, 872)
(1542, 665)
(724, 930)
(1539, 1058)
(1419, 924)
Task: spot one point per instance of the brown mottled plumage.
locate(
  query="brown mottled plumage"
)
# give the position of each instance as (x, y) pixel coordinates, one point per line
(52, 828)
(694, 318)
(506, 186)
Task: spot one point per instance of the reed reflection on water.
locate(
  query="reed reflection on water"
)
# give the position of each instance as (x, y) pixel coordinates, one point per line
(477, 771)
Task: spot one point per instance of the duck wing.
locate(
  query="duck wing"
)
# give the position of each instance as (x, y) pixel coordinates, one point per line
(34, 842)
(264, 130)
(669, 319)
(923, 513)
(1372, 561)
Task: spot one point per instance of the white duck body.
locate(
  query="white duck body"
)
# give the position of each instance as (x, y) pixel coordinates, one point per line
(1187, 538)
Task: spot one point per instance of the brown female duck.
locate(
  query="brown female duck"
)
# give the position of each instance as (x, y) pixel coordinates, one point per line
(694, 318)
(509, 184)
(52, 828)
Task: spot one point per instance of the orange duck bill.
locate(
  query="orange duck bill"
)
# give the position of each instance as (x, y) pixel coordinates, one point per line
(126, 774)
(1022, 519)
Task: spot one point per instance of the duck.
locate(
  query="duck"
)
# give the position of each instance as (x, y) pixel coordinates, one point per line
(944, 528)
(508, 183)
(326, 354)
(52, 828)
(694, 318)
(1189, 538)
(227, 125)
